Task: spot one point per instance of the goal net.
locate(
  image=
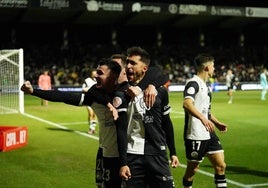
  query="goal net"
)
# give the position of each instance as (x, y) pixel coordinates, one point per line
(11, 78)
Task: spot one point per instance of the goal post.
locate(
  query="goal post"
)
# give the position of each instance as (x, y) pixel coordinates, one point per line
(11, 78)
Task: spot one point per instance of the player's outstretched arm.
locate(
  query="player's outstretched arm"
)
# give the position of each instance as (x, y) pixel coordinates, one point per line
(53, 95)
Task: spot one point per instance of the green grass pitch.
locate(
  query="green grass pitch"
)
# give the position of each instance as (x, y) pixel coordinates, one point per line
(60, 154)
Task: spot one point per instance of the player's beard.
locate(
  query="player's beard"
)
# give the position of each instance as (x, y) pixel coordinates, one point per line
(138, 76)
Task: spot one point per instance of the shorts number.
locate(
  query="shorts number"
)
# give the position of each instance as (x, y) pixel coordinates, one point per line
(196, 145)
(99, 164)
(106, 175)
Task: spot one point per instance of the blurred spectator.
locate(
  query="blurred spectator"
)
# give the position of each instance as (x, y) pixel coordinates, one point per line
(44, 83)
(264, 84)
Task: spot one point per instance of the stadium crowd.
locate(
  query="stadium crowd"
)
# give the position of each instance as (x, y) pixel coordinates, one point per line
(70, 64)
(71, 67)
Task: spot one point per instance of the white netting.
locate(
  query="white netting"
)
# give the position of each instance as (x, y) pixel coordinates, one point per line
(11, 77)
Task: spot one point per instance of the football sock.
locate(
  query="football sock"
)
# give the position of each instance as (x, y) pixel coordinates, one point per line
(220, 181)
(187, 184)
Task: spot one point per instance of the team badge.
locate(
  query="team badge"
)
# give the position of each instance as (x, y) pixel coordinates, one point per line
(191, 90)
(117, 101)
(194, 154)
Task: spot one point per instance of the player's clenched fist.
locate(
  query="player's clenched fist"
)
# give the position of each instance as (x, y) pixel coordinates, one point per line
(27, 87)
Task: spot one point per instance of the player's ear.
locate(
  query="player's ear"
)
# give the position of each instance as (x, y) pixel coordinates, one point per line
(145, 68)
(206, 68)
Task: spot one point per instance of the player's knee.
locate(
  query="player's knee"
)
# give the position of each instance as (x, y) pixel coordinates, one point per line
(220, 168)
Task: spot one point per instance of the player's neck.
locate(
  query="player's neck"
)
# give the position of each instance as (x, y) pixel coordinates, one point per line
(203, 76)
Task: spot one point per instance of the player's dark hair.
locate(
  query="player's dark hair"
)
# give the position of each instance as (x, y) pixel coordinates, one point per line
(112, 65)
(201, 59)
(120, 56)
(136, 50)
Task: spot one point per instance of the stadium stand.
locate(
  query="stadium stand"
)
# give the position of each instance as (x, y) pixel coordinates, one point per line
(68, 37)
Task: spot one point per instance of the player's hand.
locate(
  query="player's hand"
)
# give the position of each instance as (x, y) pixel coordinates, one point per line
(174, 161)
(27, 87)
(208, 124)
(124, 173)
(113, 110)
(150, 95)
(133, 91)
(221, 126)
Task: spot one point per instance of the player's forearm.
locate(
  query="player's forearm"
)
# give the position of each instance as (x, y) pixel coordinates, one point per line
(58, 96)
(189, 107)
(214, 119)
(94, 94)
(169, 131)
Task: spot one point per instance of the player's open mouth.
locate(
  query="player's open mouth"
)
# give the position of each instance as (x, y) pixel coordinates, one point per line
(129, 73)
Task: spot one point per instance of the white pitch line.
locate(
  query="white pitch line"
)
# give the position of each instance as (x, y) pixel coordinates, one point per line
(212, 175)
(60, 126)
(181, 165)
(257, 185)
(74, 123)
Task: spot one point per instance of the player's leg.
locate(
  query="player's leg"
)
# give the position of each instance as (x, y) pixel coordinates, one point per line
(195, 152)
(158, 172)
(191, 169)
(137, 169)
(230, 94)
(111, 172)
(92, 122)
(217, 161)
(99, 169)
(216, 157)
(46, 102)
(263, 93)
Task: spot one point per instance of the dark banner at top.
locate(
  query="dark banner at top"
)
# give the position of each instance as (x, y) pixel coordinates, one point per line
(136, 7)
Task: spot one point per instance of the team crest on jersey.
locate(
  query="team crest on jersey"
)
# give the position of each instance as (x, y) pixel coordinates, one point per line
(148, 119)
(194, 154)
(117, 101)
(191, 90)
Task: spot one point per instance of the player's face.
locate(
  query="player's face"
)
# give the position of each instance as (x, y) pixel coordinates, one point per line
(105, 78)
(211, 68)
(135, 69)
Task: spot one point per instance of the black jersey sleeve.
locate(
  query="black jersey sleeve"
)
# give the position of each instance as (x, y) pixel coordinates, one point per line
(121, 128)
(191, 89)
(58, 96)
(167, 124)
(169, 130)
(153, 76)
(120, 102)
(97, 95)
